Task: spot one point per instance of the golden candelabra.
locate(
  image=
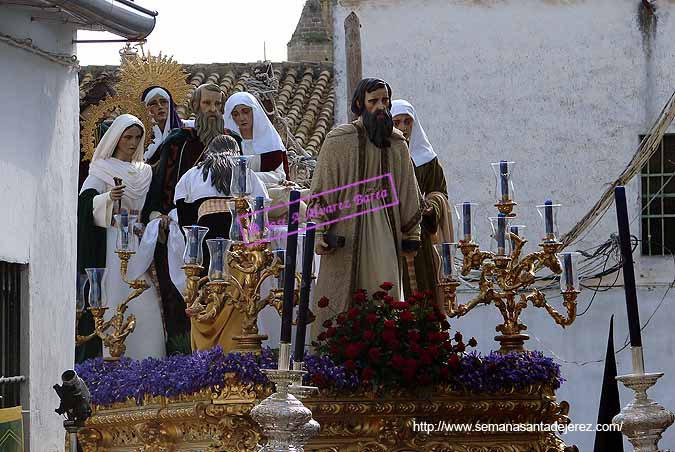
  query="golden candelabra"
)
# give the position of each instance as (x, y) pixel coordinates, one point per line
(121, 327)
(249, 266)
(502, 279)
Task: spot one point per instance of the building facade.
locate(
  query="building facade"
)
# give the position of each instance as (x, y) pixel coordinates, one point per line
(565, 89)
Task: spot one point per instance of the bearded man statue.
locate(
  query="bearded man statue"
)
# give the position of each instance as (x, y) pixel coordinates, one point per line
(377, 232)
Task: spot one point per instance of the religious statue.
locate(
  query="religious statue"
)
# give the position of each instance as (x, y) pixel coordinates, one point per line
(365, 186)
(119, 157)
(436, 216)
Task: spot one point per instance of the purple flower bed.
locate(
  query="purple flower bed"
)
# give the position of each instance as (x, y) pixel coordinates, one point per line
(111, 382)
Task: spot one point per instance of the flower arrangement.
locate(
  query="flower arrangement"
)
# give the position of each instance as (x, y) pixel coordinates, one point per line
(388, 342)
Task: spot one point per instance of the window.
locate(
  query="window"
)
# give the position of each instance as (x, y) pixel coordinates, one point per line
(10, 333)
(658, 200)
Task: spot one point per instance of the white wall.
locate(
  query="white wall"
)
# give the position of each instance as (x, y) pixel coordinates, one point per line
(564, 88)
(38, 182)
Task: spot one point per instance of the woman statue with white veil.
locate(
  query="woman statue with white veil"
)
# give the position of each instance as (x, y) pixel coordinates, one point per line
(119, 155)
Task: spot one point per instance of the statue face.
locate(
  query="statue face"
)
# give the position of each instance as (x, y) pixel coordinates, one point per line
(404, 123)
(128, 143)
(158, 107)
(378, 100)
(211, 103)
(243, 117)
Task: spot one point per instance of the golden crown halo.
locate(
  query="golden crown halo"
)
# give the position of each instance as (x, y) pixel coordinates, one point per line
(136, 74)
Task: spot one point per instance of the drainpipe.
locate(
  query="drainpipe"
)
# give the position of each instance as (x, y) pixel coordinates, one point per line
(121, 17)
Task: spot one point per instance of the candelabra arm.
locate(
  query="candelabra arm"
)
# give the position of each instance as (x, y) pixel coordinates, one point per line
(538, 299)
(519, 244)
(473, 257)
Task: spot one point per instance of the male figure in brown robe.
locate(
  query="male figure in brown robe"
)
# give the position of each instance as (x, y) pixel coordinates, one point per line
(180, 151)
(373, 250)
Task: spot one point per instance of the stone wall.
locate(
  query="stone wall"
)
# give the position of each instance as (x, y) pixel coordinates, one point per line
(312, 39)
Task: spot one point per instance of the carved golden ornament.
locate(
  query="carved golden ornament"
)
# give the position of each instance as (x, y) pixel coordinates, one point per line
(136, 74)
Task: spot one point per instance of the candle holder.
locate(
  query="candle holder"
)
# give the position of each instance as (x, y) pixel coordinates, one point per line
(548, 212)
(306, 432)
(466, 215)
(121, 327)
(504, 276)
(503, 172)
(643, 421)
(241, 183)
(248, 266)
(282, 416)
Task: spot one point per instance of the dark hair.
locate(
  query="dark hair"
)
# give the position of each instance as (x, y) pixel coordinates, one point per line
(216, 163)
(367, 85)
(197, 96)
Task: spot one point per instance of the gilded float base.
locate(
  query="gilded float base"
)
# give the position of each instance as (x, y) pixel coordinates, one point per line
(220, 421)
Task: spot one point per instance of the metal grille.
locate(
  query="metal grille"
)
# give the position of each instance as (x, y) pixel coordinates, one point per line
(10, 333)
(658, 200)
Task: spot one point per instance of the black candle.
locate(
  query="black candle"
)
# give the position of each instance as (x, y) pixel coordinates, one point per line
(259, 214)
(569, 271)
(501, 234)
(627, 264)
(504, 179)
(291, 254)
(305, 286)
(466, 220)
(514, 230)
(447, 263)
(548, 218)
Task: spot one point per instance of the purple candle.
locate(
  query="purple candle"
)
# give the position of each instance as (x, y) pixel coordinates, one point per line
(501, 234)
(291, 255)
(466, 221)
(504, 179)
(548, 218)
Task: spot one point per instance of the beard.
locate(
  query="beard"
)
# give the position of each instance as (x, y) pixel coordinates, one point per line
(209, 127)
(379, 126)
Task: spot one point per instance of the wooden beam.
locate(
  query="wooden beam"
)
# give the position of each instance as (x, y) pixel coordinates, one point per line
(353, 54)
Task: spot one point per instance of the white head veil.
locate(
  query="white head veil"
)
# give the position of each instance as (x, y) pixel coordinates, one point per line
(135, 175)
(265, 136)
(421, 150)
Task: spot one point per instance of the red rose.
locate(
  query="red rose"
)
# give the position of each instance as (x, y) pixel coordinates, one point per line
(394, 344)
(418, 296)
(334, 350)
(460, 347)
(323, 302)
(353, 313)
(367, 374)
(374, 354)
(429, 294)
(473, 342)
(445, 325)
(433, 336)
(368, 335)
(341, 319)
(411, 363)
(431, 317)
(402, 305)
(407, 316)
(444, 373)
(445, 335)
(349, 365)
(397, 361)
(379, 295)
(389, 335)
(447, 345)
(352, 351)
(433, 351)
(414, 336)
(425, 359)
(458, 336)
(415, 347)
(454, 361)
(322, 336)
(330, 332)
(388, 299)
(359, 296)
(386, 285)
(371, 318)
(327, 323)
(389, 324)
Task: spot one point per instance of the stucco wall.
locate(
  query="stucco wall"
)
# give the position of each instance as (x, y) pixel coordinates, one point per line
(564, 88)
(38, 182)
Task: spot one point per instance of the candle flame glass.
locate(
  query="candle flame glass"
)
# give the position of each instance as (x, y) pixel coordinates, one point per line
(126, 239)
(96, 278)
(548, 214)
(194, 239)
(569, 279)
(466, 221)
(499, 236)
(79, 288)
(241, 184)
(503, 172)
(218, 252)
(446, 253)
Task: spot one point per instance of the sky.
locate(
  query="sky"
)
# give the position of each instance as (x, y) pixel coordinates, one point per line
(207, 31)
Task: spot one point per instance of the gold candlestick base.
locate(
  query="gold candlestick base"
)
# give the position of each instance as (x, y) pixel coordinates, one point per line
(249, 343)
(506, 207)
(509, 343)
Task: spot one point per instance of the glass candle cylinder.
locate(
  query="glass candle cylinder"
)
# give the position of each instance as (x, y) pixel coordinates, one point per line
(514, 229)
(96, 278)
(237, 233)
(79, 291)
(280, 257)
(499, 226)
(126, 239)
(503, 171)
(241, 184)
(257, 226)
(466, 215)
(569, 279)
(548, 212)
(194, 238)
(446, 253)
(218, 251)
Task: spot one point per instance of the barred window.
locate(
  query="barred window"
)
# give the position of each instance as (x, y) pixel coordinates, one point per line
(10, 333)
(658, 200)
